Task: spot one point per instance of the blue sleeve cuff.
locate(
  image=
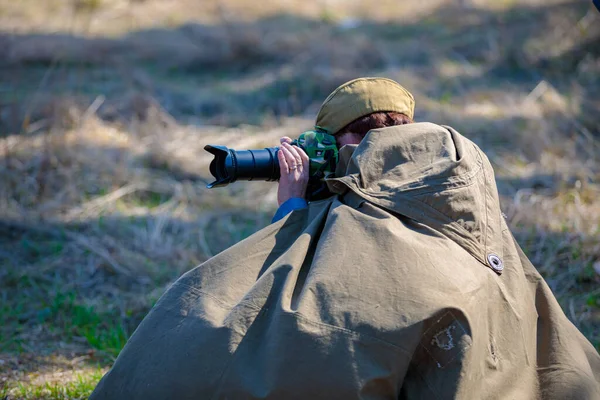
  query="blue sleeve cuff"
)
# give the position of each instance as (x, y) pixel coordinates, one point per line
(295, 203)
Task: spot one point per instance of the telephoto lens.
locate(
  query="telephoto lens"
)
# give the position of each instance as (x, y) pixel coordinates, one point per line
(231, 165)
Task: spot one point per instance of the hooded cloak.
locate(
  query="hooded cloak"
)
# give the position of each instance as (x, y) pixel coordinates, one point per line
(405, 284)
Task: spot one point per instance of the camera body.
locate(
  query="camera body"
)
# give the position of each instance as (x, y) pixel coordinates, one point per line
(321, 149)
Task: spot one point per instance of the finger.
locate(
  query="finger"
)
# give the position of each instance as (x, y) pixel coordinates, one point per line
(303, 156)
(305, 162)
(283, 165)
(290, 157)
(285, 139)
(295, 153)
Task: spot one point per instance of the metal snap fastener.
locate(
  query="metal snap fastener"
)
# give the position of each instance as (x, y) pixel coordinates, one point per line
(495, 262)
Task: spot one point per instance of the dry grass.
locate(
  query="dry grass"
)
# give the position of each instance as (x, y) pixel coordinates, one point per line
(106, 105)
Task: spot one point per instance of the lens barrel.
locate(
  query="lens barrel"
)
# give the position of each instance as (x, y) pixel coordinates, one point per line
(231, 165)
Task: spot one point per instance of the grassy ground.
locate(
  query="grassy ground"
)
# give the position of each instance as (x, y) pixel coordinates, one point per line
(106, 105)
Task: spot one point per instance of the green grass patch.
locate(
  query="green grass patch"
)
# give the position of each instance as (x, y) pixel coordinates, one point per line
(79, 388)
(104, 331)
(593, 299)
(37, 249)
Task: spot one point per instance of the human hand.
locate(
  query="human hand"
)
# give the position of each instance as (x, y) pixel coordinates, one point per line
(294, 170)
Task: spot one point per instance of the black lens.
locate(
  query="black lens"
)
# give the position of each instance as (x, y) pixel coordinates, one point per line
(255, 165)
(231, 165)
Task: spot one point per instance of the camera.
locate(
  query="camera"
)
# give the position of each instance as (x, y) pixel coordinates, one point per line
(231, 165)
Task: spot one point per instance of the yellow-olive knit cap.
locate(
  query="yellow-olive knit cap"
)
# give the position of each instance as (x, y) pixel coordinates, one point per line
(361, 97)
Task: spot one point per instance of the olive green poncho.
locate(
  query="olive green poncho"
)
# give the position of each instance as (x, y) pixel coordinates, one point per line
(407, 284)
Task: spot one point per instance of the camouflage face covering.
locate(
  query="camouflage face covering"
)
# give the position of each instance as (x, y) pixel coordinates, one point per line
(360, 97)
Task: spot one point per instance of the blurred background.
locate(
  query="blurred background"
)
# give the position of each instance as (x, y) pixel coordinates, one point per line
(106, 105)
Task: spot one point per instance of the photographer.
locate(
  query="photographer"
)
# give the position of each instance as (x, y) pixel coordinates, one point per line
(404, 283)
(294, 162)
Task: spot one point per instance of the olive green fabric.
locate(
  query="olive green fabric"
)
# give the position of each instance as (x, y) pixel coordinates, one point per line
(383, 291)
(360, 97)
